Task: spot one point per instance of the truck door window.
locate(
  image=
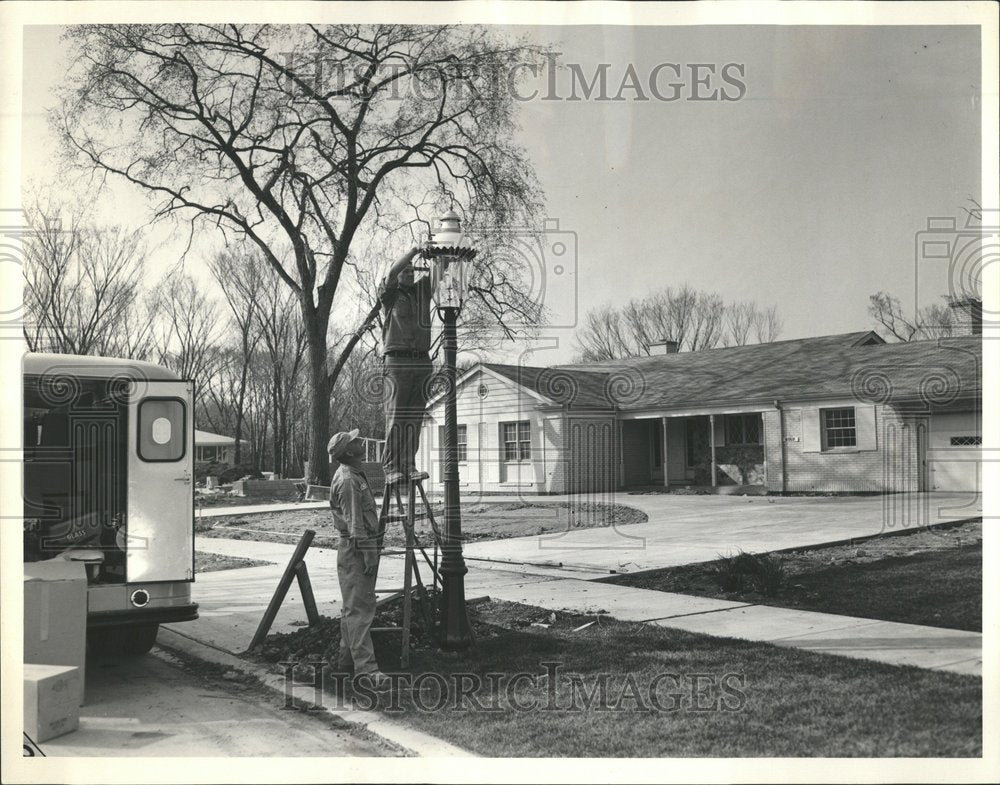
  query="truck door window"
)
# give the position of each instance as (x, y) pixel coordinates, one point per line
(161, 429)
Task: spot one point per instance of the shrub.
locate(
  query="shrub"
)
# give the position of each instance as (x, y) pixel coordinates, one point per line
(747, 572)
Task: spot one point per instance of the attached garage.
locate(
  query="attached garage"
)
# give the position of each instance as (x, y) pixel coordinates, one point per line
(954, 450)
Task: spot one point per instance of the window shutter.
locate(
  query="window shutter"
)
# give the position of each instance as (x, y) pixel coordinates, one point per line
(719, 434)
(811, 436)
(864, 419)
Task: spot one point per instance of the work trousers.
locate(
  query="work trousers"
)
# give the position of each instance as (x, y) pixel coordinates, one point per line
(358, 593)
(405, 392)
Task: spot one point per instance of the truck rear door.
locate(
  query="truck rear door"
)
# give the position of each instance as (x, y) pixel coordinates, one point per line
(160, 521)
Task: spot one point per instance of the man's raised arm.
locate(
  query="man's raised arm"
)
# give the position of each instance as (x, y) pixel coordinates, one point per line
(404, 261)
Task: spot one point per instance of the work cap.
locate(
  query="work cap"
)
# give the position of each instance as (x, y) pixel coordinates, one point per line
(339, 441)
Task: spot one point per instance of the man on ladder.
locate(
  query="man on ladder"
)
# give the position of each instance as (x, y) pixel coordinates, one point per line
(406, 366)
(407, 370)
(356, 519)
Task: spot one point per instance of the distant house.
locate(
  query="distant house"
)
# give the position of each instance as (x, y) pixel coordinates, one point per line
(213, 447)
(833, 413)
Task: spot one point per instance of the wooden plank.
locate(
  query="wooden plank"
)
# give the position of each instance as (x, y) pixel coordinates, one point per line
(287, 577)
(308, 598)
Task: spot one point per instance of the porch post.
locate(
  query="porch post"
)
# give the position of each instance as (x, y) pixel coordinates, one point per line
(666, 478)
(711, 441)
(621, 455)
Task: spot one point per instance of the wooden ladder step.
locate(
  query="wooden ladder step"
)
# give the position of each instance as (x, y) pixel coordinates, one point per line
(396, 518)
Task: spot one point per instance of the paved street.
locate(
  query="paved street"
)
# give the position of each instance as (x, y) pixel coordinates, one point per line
(154, 706)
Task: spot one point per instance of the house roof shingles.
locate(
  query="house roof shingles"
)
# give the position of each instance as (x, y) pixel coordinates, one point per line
(830, 366)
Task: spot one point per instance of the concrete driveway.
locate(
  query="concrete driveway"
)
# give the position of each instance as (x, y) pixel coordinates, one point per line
(686, 529)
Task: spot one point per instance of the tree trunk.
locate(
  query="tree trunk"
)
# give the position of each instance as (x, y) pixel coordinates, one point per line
(275, 427)
(319, 398)
(241, 402)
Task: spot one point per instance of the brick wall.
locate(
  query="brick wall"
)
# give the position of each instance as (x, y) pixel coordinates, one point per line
(892, 466)
(273, 489)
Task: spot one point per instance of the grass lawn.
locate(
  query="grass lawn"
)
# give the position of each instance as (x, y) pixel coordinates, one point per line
(931, 577)
(714, 696)
(481, 521)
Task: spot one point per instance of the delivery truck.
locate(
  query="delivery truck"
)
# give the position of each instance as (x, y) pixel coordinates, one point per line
(109, 482)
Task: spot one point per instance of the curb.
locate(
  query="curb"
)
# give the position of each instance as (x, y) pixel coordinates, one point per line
(414, 741)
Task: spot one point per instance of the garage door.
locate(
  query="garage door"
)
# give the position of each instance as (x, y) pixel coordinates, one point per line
(954, 450)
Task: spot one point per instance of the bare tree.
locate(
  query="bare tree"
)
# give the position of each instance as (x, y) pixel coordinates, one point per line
(767, 325)
(695, 320)
(235, 126)
(706, 317)
(82, 286)
(600, 337)
(739, 318)
(187, 331)
(931, 321)
(237, 273)
(283, 350)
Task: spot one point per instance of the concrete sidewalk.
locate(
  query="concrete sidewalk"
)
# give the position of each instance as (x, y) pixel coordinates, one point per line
(250, 509)
(894, 643)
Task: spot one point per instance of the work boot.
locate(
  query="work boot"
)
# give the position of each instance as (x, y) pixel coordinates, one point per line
(394, 477)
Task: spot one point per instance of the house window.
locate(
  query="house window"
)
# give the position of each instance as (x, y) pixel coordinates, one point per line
(966, 441)
(463, 443)
(742, 429)
(516, 438)
(839, 428)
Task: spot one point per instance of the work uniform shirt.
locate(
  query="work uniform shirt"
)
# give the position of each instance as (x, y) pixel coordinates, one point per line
(353, 504)
(407, 325)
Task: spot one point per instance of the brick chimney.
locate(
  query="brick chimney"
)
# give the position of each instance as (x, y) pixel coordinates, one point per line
(968, 314)
(663, 347)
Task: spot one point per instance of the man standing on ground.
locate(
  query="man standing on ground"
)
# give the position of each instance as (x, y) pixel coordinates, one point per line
(406, 364)
(356, 519)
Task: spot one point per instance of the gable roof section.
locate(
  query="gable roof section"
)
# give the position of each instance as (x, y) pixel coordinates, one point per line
(557, 384)
(206, 439)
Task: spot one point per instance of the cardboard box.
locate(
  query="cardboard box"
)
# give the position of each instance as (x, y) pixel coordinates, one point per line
(55, 616)
(51, 707)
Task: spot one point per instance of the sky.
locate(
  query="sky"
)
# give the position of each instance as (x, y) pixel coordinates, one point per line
(806, 193)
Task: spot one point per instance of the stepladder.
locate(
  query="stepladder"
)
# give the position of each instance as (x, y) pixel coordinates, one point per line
(395, 511)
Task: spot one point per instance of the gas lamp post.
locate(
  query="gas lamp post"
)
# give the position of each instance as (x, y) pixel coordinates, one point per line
(450, 257)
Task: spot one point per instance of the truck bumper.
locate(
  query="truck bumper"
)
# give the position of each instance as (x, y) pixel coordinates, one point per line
(142, 616)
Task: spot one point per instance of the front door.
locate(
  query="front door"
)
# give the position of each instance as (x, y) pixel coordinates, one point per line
(160, 482)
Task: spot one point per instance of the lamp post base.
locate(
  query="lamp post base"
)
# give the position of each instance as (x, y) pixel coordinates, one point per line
(456, 631)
